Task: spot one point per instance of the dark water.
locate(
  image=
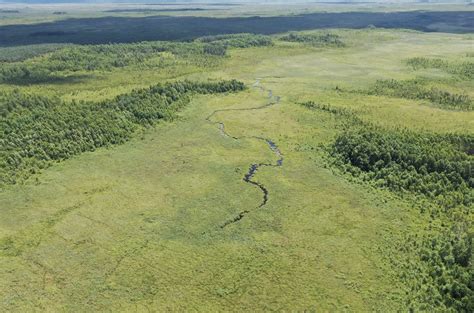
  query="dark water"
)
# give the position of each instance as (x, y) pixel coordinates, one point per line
(249, 177)
(161, 27)
(255, 167)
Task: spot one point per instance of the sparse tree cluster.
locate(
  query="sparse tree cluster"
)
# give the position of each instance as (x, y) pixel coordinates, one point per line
(463, 69)
(317, 40)
(215, 49)
(238, 40)
(414, 89)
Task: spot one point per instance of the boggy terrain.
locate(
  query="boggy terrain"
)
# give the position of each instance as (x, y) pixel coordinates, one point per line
(249, 176)
(300, 171)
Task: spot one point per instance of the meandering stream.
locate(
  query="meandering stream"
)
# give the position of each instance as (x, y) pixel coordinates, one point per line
(249, 177)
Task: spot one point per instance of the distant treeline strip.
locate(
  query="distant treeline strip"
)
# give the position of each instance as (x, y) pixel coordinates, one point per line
(145, 10)
(51, 63)
(36, 130)
(415, 89)
(316, 40)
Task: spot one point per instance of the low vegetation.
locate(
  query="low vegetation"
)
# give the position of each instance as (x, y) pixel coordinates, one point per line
(463, 69)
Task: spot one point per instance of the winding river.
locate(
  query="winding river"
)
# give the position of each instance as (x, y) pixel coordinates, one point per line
(249, 177)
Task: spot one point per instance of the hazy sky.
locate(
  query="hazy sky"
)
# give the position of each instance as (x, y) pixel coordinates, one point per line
(225, 1)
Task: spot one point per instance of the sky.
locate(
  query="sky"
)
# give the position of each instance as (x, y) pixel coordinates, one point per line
(223, 1)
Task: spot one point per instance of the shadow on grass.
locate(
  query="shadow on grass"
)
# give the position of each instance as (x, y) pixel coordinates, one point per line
(135, 29)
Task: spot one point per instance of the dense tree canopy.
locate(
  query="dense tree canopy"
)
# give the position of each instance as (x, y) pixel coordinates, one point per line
(326, 39)
(238, 40)
(36, 130)
(21, 53)
(435, 170)
(431, 165)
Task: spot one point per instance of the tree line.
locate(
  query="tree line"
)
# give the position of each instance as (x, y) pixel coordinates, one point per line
(218, 44)
(437, 168)
(435, 172)
(414, 89)
(316, 40)
(71, 59)
(405, 161)
(238, 40)
(21, 53)
(49, 63)
(36, 130)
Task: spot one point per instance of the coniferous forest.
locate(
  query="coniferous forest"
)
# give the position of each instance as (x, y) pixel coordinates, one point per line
(37, 130)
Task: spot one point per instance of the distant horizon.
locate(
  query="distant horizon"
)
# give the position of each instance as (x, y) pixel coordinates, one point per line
(171, 2)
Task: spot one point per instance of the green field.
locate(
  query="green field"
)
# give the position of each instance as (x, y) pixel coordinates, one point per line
(163, 219)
